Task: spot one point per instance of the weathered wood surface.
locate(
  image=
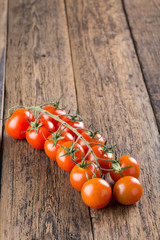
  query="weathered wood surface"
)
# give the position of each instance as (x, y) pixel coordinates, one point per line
(37, 200)
(3, 33)
(96, 66)
(144, 20)
(112, 96)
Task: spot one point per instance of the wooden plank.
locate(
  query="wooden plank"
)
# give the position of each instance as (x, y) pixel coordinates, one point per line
(3, 33)
(37, 200)
(144, 20)
(112, 96)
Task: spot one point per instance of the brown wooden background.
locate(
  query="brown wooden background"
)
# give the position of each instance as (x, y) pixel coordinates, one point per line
(104, 57)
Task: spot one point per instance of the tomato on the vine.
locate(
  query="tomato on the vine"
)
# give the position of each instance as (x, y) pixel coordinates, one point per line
(100, 152)
(65, 154)
(17, 123)
(48, 124)
(127, 190)
(90, 137)
(51, 145)
(96, 193)
(126, 161)
(78, 174)
(73, 123)
(55, 111)
(36, 134)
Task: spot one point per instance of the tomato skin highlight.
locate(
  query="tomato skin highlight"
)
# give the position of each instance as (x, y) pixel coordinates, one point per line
(48, 124)
(54, 111)
(127, 161)
(17, 123)
(96, 193)
(98, 151)
(74, 124)
(90, 140)
(127, 190)
(36, 139)
(65, 162)
(51, 150)
(78, 175)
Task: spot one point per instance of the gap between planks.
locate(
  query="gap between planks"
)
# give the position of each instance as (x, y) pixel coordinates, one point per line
(75, 84)
(139, 61)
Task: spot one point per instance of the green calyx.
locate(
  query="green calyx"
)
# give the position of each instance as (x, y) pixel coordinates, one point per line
(116, 166)
(107, 149)
(35, 125)
(55, 104)
(92, 134)
(56, 136)
(75, 118)
(71, 150)
(84, 163)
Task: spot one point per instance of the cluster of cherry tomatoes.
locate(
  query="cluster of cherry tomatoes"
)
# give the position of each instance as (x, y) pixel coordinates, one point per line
(79, 151)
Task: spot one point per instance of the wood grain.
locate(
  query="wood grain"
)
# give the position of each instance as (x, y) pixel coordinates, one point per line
(37, 200)
(112, 96)
(3, 34)
(144, 20)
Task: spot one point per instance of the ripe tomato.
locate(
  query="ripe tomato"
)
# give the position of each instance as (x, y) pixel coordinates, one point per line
(17, 124)
(96, 193)
(55, 111)
(78, 174)
(127, 161)
(74, 124)
(89, 137)
(48, 124)
(51, 149)
(127, 190)
(65, 162)
(37, 139)
(100, 153)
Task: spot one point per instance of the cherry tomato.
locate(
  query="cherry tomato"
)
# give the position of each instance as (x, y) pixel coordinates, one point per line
(78, 175)
(97, 139)
(96, 193)
(74, 124)
(37, 139)
(65, 162)
(127, 190)
(51, 150)
(98, 151)
(48, 124)
(54, 111)
(17, 124)
(127, 161)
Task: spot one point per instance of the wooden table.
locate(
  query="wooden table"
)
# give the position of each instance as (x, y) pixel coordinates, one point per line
(103, 56)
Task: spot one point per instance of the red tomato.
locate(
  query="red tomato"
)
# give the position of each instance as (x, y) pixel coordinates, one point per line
(74, 124)
(127, 190)
(51, 149)
(78, 175)
(97, 139)
(37, 139)
(127, 161)
(96, 193)
(98, 151)
(54, 111)
(48, 124)
(65, 162)
(17, 124)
